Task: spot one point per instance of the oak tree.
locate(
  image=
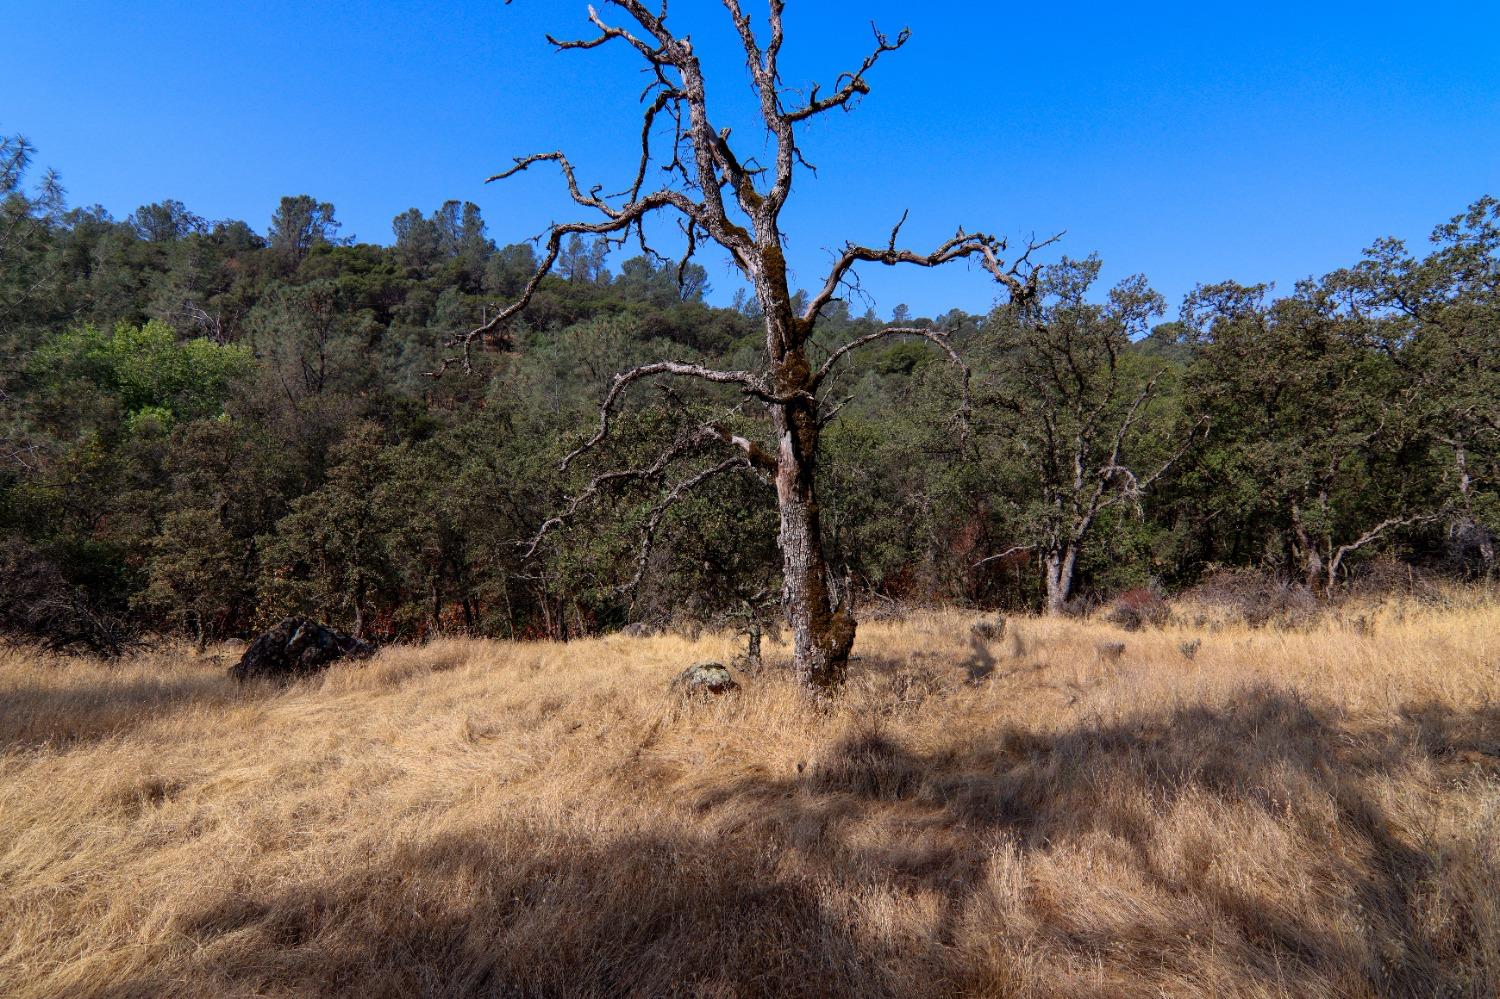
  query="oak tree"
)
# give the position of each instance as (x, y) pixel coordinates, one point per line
(719, 196)
(1322, 430)
(1073, 405)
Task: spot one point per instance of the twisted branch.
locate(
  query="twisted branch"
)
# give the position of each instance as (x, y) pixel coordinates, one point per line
(1019, 277)
(648, 533)
(624, 380)
(607, 480)
(938, 337)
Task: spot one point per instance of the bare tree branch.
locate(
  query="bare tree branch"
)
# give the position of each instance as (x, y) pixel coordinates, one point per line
(849, 85)
(617, 220)
(758, 456)
(706, 181)
(600, 483)
(648, 533)
(606, 33)
(1017, 276)
(1374, 533)
(1132, 486)
(1014, 549)
(936, 336)
(624, 380)
(22, 454)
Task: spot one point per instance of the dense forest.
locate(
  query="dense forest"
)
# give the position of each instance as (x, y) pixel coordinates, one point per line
(203, 428)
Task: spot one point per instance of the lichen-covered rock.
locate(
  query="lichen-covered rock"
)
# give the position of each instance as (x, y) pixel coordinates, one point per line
(296, 647)
(1110, 651)
(991, 630)
(705, 678)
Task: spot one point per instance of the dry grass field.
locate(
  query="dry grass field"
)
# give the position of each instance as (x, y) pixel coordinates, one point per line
(1308, 813)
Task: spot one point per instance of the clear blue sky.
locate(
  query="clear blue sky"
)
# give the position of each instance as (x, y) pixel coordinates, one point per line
(1191, 143)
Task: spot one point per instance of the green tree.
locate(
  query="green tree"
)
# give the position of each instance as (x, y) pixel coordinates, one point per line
(146, 367)
(301, 223)
(1076, 411)
(195, 574)
(1316, 430)
(166, 222)
(1439, 317)
(26, 228)
(331, 553)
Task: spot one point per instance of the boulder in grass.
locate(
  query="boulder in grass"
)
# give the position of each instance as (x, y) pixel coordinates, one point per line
(705, 678)
(1110, 652)
(294, 648)
(989, 631)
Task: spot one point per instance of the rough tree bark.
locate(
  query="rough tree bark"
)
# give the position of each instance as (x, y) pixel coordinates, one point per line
(1060, 565)
(717, 196)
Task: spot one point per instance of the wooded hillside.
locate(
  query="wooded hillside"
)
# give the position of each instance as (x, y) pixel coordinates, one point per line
(204, 426)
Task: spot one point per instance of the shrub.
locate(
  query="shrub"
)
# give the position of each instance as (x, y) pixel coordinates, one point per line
(1137, 609)
(1253, 597)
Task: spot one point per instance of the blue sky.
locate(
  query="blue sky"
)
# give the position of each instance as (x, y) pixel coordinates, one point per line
(1187, 142)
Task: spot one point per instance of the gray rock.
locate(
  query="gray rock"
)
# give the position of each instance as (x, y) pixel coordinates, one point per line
(705, 678)
(991, 630)
(1110, 651)
(296, 647)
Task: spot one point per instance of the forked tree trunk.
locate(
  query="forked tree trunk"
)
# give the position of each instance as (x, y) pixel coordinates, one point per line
(1061, 563)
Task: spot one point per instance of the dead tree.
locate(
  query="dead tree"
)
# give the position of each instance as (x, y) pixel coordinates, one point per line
(715, 195)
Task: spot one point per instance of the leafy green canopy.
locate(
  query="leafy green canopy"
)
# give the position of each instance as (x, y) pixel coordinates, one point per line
(202, 428)
(146, 367)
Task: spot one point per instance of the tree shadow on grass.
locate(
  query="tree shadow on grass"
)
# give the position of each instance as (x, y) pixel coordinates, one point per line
(1267, 752)
(67, 715)
(464, 915)
(738, 894)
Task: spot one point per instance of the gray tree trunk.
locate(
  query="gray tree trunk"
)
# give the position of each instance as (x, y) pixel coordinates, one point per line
(822, 630)
(1307, 551)
(1061, 564)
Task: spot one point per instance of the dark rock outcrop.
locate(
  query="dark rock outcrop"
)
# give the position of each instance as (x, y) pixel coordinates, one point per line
(296, 647)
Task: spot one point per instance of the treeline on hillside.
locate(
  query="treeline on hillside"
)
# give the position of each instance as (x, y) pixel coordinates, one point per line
(203, 428)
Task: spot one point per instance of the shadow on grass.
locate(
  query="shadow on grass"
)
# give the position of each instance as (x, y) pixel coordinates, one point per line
(67, 715)
(737, 893)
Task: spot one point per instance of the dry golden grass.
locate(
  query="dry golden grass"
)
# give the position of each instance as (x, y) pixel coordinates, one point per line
(1288, 814)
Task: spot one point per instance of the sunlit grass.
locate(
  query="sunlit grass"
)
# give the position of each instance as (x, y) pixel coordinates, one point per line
(1286, 813)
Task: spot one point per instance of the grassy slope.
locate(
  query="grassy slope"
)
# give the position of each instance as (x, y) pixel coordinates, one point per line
(1295, 814)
